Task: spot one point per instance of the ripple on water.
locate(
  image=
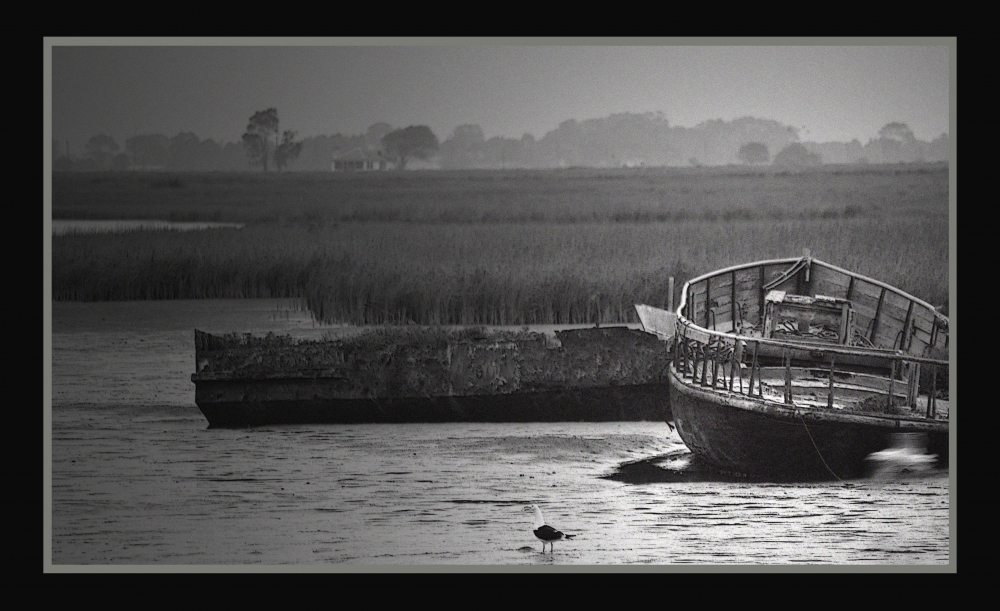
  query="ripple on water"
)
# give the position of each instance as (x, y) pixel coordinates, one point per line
(153, 485)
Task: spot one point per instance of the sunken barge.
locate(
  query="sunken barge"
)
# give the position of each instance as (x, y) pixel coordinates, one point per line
(432, 374)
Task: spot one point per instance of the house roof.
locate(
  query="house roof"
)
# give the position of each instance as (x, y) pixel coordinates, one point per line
(358, 154)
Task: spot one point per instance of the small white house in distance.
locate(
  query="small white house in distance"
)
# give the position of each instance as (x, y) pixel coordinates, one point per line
(360, 160)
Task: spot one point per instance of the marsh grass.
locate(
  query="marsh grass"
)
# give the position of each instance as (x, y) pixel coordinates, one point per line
(494, 248)
(496, 274)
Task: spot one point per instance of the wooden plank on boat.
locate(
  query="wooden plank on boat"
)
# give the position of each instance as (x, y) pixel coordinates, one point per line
(722, 322)
(772, 273)
(696, 300)
(723, 326)
(747, 295)
(733, 305)
(818, 392)
(694, 334)
(721, 280)
(829, 289)
(888, 337)
(864, 314)
(816, 354)
(708, 302)
(895, 308)
(892, 319)
(817, 377)
(863, 288)
(721, 304)
(918, 346)
(772, 405)
(760, 295)
(878, 316)
(865, 305)
(923, 324)
(657, 321)
(827, 281)
(720, 301)
(747, 279)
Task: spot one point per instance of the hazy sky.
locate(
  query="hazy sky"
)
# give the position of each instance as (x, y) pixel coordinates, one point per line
(834, 93)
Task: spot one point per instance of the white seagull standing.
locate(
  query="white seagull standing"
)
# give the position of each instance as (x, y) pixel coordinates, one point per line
(543, 531)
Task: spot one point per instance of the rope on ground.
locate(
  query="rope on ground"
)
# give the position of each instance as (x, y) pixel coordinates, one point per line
(799, 414)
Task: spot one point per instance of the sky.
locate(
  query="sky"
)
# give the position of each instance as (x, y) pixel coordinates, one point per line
(125, 87)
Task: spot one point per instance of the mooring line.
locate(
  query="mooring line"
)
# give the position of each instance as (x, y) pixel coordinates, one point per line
(818, 453)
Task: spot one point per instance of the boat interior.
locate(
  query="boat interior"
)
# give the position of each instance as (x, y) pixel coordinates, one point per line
(806, 333)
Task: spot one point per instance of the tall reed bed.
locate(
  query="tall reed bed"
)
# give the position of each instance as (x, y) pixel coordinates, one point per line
(494, 273)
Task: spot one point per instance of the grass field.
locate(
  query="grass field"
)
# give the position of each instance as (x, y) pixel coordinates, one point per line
(516, 247)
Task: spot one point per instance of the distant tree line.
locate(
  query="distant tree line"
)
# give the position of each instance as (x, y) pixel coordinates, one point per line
(620, 140)
(631, 140)
(183, 152)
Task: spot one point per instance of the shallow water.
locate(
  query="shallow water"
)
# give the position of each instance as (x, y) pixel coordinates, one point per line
(139, 478)
(64, 226)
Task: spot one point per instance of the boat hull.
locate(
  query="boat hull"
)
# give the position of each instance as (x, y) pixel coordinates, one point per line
(739, 436)
(287, 401)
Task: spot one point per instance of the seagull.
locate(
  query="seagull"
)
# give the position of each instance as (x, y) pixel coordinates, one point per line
(543, 531)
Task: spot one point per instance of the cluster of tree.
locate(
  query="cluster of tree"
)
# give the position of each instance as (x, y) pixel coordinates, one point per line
(263, 126)
(793, 155)
(648, 140)
(895, 144)
(183, 152)
(261, 147)
(625, 139)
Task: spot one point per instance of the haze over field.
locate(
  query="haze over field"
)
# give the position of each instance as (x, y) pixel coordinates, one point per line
(492, 104)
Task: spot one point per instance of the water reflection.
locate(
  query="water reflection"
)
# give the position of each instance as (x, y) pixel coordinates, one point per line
(905, 460)
(907, 455)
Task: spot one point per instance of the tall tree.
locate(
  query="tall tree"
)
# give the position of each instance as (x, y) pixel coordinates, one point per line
(895, 130)
(464, 148)
(262, 127)
(797, 155)
(896, 143)
(413, 141)
(753, 152)
(287, 151)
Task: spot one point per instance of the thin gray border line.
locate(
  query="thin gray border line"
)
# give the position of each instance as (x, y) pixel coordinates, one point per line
(502, 41)
(47, 306)
(49, 42)
(953, 301)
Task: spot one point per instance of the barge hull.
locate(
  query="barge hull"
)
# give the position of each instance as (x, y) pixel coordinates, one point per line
(432, 375)
(266, 402)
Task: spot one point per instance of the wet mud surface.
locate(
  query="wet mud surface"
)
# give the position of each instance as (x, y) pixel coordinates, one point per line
(138, 478)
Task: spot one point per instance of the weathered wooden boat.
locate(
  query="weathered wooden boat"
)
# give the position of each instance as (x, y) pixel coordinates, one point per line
(431, 374)
(798, 368)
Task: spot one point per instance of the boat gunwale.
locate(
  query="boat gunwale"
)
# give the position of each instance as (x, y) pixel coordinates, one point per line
(764, 406)
(683, 322)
